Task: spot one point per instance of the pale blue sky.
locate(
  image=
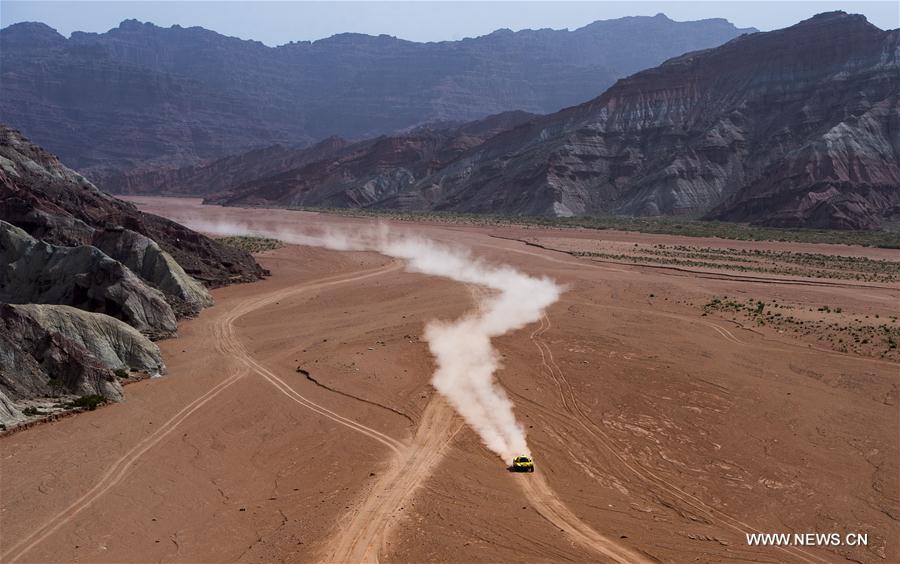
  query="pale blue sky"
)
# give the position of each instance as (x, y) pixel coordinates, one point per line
(278, 22)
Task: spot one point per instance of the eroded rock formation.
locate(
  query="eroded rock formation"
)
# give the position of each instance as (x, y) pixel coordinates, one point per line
(53, 350)
(85, 279)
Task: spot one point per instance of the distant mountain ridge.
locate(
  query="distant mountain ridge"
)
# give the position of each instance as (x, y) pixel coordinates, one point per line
(144, 97)
(797, 127)
(357, 174)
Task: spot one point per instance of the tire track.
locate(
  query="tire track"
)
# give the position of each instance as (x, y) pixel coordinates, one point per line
(647, 476)
(115, 473)
(312, 379)
(551, 508)
(233, 347)
(223, 331)
(571, 262)
(362, 536)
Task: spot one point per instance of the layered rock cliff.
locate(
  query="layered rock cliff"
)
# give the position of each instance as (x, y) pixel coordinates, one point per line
(794, 127)
(144, 97)
(54, 350)
(847, 178)
(85, 279)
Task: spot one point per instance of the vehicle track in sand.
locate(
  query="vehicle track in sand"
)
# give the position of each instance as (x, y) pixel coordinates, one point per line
(362, 535)
(116, 472)
(227, 344)
(413, 461)
(233, 347)
(551, 508)
(570, 404)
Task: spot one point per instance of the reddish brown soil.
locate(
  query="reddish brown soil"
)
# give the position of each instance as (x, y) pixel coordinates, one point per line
(658, 433)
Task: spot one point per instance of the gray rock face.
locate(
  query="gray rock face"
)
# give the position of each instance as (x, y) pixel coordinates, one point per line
(144, 257)
(114, 343)
(849, 178)
(84, 277)
(53, 224)
(49, 350)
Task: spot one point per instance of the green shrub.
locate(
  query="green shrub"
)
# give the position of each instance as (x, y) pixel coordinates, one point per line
(121, 372)
(89, 402)
(251, 244)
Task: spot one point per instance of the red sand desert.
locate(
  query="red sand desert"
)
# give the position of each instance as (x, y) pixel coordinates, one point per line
(659, 433)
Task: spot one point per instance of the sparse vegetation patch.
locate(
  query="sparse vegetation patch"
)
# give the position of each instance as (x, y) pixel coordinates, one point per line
(251, 244)
(89, 402)
(784, 263)
(826, 325)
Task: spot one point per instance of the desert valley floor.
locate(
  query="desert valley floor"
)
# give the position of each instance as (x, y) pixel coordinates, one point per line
(669, 412)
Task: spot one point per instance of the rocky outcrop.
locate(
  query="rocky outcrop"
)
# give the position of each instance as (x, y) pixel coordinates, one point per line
(148, 261)
(115, 344)
(83, 277)
(86, 279)
(53, 350)
(57, 205)
(150, 98)
(792, 128)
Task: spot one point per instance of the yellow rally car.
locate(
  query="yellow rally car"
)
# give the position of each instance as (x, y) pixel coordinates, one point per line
(522, 464)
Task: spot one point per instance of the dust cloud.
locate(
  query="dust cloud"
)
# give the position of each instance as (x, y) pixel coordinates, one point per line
(465, 358)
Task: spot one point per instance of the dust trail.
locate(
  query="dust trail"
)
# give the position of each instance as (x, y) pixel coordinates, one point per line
(465, 358)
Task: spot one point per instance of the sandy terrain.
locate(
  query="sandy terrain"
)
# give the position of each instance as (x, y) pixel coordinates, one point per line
(659, 433)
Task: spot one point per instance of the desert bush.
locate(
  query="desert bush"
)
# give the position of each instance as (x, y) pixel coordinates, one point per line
(89, 402)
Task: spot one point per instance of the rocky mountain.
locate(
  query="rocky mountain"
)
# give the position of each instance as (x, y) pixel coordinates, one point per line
(371, 171)
(86, 279)
(141, 97)
(795, 127)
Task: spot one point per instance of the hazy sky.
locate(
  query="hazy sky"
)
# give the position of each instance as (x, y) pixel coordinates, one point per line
(278, 22)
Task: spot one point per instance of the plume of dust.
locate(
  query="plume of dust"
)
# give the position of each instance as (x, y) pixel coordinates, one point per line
(466, 360)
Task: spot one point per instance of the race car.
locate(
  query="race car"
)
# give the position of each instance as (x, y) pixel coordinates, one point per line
(522, 464)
